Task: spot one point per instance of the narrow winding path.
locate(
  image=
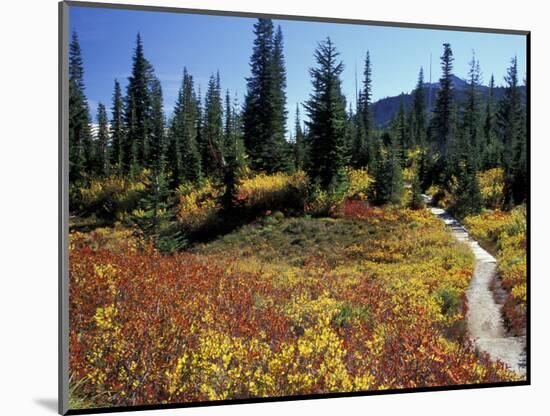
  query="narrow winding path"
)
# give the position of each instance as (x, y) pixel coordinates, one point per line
(484, 317)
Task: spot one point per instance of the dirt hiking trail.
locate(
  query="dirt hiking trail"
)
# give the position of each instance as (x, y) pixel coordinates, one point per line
(484, 318)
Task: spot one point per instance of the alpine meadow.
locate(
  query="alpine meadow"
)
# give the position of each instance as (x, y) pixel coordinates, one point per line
(271, 231)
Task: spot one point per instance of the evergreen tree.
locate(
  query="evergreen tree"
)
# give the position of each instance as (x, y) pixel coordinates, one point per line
(258, 108)
(417, 202)
(230, 163)
(117, 130)
(154, 151)
(233, 153)
(137, 112)
(172, 156)
(212, 151)
(299, 150)
(468, 196)
(264, 116)
(442, 128)
(509, 121)
(281, 159)
(366, 113)
(80, 136)
(492, 149)
(228, 131)
(401, 134)
(171, 150)
(509, 113)
(471, 120)
(130, 146)
(351, 128)
(76, 64)
(230, 174)
(388, 175)
(326, 109)
(237, 133)
(185, 163)
(358, 148)
(156, 216)
(520, 173)
(424, 169)
(101, 165)
(200, 138)
(361, 149)
(396, 170)
(419, 117)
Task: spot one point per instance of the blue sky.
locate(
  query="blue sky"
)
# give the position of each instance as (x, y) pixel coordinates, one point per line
(205, 44)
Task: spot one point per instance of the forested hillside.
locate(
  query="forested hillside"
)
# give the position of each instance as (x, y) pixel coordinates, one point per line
(386, 108)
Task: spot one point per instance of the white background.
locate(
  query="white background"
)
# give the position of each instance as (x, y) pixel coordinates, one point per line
(28, 205)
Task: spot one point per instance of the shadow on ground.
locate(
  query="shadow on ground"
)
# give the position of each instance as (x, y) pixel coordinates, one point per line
(49, 404)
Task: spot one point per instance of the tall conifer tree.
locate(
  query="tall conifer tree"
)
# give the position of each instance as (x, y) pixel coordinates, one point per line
(388, 175)
(191, 161)
(509, 127)
(471, 121)
(186, 163)
(232, 159)
(492, 149)
(117, 129)
(418, 127)
(201, 145)
(368, 124)
(509, 113)
(362, 151)
(358, 147)
(80, 136)
(442, 128)
(351, 128)
(264, 116)
(212, 151)
(468, 200)
(228, 130)
(299, 145)
(154, 151)
(279, 149)
(137, 112)
(102, 167)
(172, 156)
(258, 117)
(401, 135)
(237, 133)
(519, 164)
(326, 109)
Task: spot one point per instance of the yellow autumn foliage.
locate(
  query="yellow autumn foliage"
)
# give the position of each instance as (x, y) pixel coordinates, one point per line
(507, 232)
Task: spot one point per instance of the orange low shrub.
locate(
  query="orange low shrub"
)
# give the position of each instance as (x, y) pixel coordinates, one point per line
(147, 328)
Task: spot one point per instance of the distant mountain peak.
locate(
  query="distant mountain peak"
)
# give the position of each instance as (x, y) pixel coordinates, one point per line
(458, 83)
(384, 109)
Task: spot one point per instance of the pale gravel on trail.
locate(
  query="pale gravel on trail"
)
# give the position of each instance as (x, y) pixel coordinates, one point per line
(484, 317)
